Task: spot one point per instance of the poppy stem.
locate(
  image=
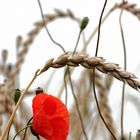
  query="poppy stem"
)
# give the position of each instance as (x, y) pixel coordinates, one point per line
(46, 28)
(65, 84)
(20, 131)
(78, 110)
(125, 67)
(98, 107)
(75, 48)
(37, 137)
(24, 136)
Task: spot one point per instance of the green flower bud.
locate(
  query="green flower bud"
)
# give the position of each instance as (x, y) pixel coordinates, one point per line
(84, 23)
(17, 94)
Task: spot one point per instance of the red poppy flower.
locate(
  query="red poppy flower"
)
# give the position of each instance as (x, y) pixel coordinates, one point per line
(50, 117)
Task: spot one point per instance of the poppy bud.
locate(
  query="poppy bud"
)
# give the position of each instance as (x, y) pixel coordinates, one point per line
(17, 95)
(50, 117)
(39, 90)
(84, 23)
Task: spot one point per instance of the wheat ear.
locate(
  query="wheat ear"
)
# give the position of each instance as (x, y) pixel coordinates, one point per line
(94, 62)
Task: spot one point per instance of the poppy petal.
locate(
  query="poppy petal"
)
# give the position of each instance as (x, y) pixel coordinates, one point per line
(50, 117)
(61, 108)
(38, 101)
(41, 124)
(60, 128)
(50, 105)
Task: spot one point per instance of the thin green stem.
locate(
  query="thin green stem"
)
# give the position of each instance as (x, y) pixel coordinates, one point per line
(129, 135)
(96, 29)
(20, 131)
(75, 48)
(96, 53)
(125, 67)
(98, 107)
(122, 110)
(99, 27)
(42, 15)
(76, 102)
(66, 89)
(24, 136)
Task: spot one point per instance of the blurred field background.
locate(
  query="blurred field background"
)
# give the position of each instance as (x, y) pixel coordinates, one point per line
(25, 47)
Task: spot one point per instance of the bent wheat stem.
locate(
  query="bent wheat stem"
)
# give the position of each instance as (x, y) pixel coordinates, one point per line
(17, 105)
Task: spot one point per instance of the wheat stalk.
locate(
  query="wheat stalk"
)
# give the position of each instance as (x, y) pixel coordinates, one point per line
(94, 62)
